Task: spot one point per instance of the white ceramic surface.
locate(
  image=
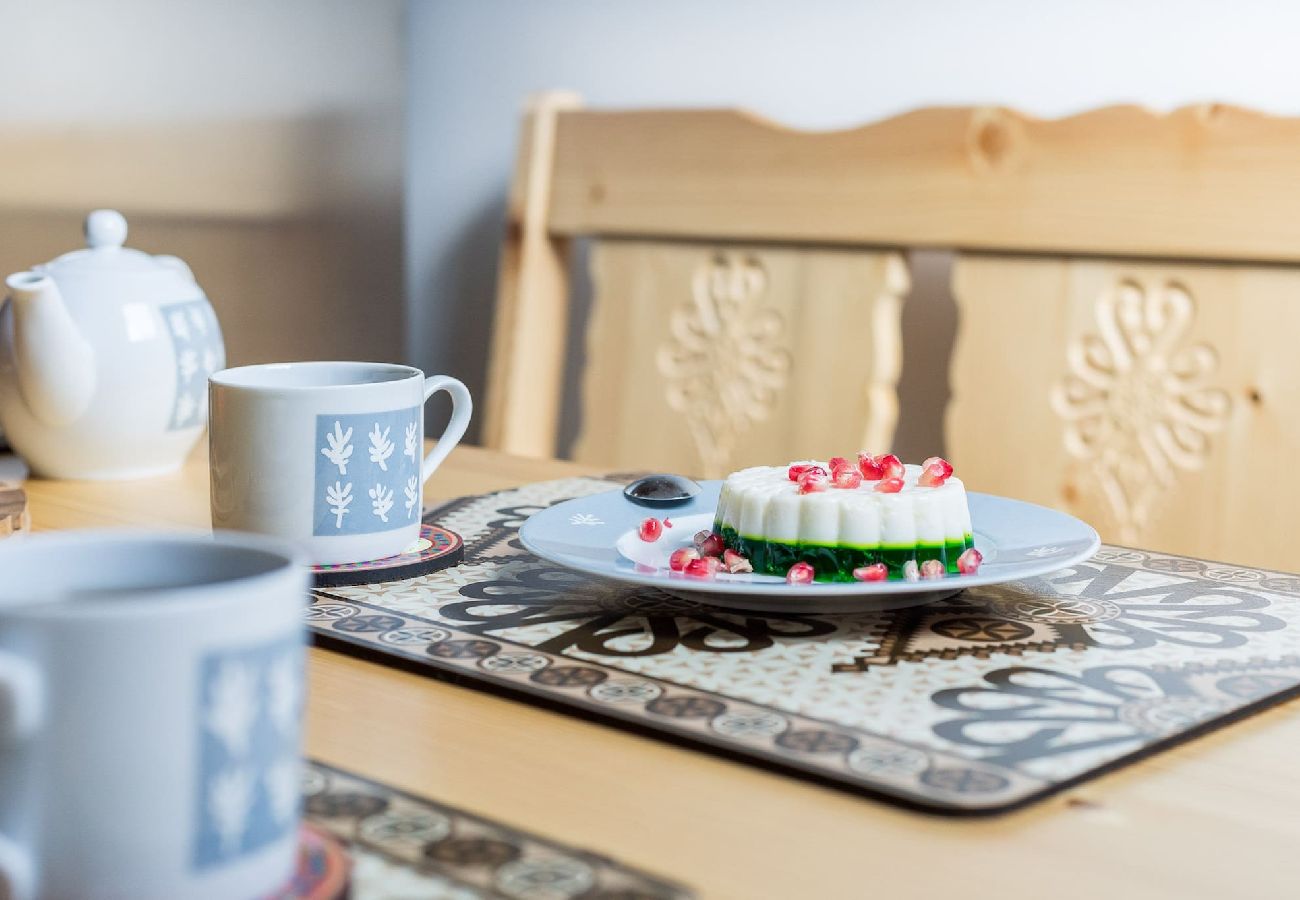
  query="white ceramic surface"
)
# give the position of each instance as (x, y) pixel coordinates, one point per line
(150, 698)
(104, 358)
(328, 455)
(597, 535)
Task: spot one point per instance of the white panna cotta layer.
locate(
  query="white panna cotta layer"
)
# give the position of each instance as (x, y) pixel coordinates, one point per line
(762, 503)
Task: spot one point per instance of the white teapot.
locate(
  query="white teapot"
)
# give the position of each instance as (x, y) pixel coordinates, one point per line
(104, 359)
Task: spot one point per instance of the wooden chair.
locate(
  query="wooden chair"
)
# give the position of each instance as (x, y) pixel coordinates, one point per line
(1126, 285)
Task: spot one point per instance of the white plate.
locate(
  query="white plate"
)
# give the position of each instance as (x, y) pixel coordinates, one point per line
(598, 535)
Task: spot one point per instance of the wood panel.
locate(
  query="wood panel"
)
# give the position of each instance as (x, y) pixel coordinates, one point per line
(1157, 401)
(1210, 181)
(704, 359)
(201, 170)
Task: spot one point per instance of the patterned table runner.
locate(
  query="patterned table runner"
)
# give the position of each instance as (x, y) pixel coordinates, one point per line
(985, 701)
(408, 848)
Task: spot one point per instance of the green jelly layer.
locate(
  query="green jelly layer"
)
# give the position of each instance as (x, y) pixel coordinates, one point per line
(837, 563)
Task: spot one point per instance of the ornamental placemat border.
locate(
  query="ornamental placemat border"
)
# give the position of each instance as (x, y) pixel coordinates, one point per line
(1194, 697)
(410, 846)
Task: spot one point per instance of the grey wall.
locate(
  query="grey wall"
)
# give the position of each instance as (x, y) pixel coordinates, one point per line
(813, 63)
(261, 142)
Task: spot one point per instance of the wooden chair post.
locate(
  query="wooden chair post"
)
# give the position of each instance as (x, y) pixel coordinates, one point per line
(526, 368)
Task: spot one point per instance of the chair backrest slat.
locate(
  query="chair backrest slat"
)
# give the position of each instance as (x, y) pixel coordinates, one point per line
(1204, 182)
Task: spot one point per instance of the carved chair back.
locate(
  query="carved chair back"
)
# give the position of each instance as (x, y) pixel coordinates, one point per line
(1125, 285)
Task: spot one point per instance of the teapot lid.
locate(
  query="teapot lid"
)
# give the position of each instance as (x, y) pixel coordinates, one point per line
(105, 231)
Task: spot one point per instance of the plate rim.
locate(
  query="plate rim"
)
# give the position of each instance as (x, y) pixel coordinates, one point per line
(865, 590)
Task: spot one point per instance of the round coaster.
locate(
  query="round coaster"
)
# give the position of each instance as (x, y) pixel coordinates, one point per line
(437, 548)
(323, 866)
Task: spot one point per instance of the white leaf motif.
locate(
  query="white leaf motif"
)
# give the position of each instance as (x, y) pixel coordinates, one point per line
(189, 364)
(585, 519)
(339, 497)
(382, 498)
(282, 787)
(412, 495)
(200, 323)
(380, 447)
(180, 325)
(284, 693)
(232, 706)
(209, 360)
(412, 446)
(230, 797)
(340, 447)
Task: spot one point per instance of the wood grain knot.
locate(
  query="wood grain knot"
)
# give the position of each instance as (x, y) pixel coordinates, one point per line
(1254, 396)
(993, 141)
(1081, 803)
(1209, 114)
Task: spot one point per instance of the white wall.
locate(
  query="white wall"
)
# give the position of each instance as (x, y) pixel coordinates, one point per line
(73, 61)
(811, 63)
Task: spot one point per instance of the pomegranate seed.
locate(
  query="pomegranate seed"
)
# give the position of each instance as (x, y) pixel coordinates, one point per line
(813, 481)
(932, 568)
(869, 468)
(945, 467)
(890, 485)
(800, 573)
(704, 567)
(873, 572)
(969, 562)
(650, 530)
(679, 558)
(890, 466)
(734, 563)
(709, 543)
(911, 572)
(935, 472)
(838, 462)
(931, 478)
(847, 479)
(667, 523)
(798, 470)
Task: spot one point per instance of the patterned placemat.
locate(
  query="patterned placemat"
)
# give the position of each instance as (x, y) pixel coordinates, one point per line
(985, 701)
(405, 847)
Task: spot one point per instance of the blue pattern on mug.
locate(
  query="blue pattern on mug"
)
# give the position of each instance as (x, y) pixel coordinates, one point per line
(250, 710)
(368, 471)
(196, 340)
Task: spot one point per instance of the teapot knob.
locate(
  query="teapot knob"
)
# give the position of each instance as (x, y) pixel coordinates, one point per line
(105, 228)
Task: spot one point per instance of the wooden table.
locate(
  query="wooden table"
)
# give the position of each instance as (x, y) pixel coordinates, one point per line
(1218, 817)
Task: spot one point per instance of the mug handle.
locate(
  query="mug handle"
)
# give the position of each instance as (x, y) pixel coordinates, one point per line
(462, 407)
(21, 710)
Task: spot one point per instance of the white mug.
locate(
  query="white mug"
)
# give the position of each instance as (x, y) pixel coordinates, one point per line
(328, 455)
(150, 701)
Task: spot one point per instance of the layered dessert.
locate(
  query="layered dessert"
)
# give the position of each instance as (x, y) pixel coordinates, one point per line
(869, 520)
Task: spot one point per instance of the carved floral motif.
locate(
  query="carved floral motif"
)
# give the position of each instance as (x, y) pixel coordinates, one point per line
(1138, 404)
(724, 364)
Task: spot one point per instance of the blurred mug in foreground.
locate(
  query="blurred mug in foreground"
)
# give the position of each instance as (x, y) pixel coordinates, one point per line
(329, 455)
(151, 690)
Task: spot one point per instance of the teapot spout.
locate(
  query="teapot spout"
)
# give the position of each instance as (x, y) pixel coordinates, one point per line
(54, 362)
